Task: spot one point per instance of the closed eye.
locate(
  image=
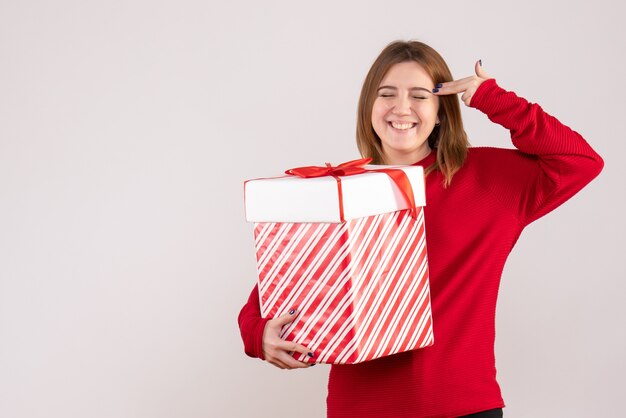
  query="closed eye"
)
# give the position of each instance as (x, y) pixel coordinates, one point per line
(415, 97)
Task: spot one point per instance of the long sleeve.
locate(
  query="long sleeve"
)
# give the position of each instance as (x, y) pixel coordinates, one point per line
(251, 325)
(556, 162)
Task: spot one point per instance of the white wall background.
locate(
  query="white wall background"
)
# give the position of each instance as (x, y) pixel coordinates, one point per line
(127, 128)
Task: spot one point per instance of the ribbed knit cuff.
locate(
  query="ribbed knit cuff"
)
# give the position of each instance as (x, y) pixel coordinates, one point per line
(479, 99)
(258, 338)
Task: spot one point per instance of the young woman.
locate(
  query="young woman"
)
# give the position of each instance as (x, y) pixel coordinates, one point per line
(478, 202)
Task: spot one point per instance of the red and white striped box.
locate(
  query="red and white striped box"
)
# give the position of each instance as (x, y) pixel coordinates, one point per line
(361, 285)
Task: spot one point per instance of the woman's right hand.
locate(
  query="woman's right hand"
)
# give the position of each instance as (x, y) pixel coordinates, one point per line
(276, 350)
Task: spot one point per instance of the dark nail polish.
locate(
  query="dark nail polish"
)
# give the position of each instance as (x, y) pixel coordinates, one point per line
(435, 90)
(310, 354)
(480, 62)
(291, 312)
(313, 364)
(439, 85)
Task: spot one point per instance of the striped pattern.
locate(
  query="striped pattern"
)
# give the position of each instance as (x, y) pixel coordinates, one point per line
(361, 286)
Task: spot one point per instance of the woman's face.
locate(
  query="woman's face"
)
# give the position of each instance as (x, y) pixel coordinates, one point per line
(405, 112)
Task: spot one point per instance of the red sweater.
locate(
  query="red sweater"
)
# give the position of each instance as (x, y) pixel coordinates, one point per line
(471, 227)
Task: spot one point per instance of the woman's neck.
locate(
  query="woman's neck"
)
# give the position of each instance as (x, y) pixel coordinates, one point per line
(407, 158)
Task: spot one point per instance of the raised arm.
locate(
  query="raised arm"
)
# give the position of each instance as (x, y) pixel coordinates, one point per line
(553, 162)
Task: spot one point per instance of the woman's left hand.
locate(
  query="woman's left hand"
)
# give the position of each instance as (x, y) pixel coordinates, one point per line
(467, 85)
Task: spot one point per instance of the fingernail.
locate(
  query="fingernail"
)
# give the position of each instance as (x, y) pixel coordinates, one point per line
(480, 62)
(310, 354)
(291, 312)
(439, 85)
(313, 364)
(435, 90)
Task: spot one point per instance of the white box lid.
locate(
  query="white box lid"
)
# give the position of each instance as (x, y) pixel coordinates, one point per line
(295, 199)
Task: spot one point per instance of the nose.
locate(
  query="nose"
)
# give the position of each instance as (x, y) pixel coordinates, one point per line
(402, 106)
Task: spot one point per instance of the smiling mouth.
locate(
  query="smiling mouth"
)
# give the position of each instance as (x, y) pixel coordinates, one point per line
(401, 126)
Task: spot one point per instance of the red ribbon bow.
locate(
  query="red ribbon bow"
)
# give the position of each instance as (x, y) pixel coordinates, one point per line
(351, 168)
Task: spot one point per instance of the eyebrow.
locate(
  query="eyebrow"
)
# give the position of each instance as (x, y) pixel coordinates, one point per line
(411, 89)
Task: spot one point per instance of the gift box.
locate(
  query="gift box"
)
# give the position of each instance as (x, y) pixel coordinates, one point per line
(345, 246)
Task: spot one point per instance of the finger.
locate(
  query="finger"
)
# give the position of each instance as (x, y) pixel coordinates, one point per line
(453, 87)
(480, 71)
(290, 362)
(466, 97)
(279, 364)
(285, 360)
(275, 362)
(299, 348)
(286, 318)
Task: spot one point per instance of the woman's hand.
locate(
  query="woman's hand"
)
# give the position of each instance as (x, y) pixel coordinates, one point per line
(467, 85)
(276, 350)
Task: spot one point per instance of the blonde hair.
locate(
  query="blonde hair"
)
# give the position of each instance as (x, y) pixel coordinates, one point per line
(449, 137)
